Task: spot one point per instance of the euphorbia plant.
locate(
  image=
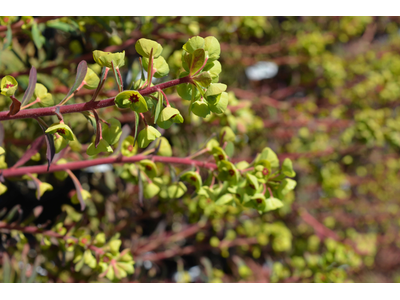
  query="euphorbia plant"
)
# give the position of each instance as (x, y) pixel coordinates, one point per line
(257, 185)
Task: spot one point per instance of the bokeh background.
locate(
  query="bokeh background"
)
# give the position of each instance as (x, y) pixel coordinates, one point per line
(322, 91)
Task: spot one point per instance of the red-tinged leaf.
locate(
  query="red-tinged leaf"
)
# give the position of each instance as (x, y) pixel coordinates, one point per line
(80, 76)
(197, 62)
(31, 87)
(35, 147)
(51, 150)
(98, 129)
(78, 188)
(15, 106)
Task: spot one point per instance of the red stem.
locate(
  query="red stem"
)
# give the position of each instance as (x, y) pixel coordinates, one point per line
(79, 107)
(105, 160)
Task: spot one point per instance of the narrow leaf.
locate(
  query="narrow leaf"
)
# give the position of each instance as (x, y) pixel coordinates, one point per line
(31, 86)
(98, 128)
(8, 38)
(116, 77)
(150, 69)
(104, 73)
(158, 107)
(80, 76)
(37, 36)
(51, 150)
(35, 147)
(136, 126)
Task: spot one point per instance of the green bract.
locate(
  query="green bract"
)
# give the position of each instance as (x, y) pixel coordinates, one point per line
(287, 168)
(60, 143)
(131, 99)
(149, 167)
(43, 187)
(127, 148)
(144, 46)
(222, 104)
(214, 92)
(200, 108)
(176, 190)
(165, 148)
(104, 58)
(212, 47)
(228, 172)
(168, 116)
(147, 135)
(62, 129)
(103, 146)
(227, 134)
(150, 190)
(159, 64)
(193, 44)
(91, 79)
(8, 85)
(85, 195)
(46, 99)
(193, 178)
(113, 132)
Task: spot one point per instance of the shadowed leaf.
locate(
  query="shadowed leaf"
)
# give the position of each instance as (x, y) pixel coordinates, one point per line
(31, 86)
(35, 147)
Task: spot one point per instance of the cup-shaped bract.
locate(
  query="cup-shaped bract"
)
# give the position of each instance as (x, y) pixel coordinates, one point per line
(147, 135)
(222, 104)
(62, 129)
(193, 44)
(228, 172)
(104, 58)
(168, 116)
(127, 148)
(103, 146)
(149, 167)
(159, 64)
(113, 132)
(143, 47)
(211, 45)
(176, 190)
(227, 134)
(46, 99)
(150, 190)
(91, 79)
(200, 108)
(132, 99)
(193, 178)
(85, 195)
(60, 143)
(165, 148)
(8, 85)
(214, 92)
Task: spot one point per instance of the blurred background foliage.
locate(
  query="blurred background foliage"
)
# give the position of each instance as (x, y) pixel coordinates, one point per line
(323, 91)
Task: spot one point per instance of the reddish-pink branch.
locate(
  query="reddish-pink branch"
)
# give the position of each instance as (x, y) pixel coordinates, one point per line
(106, 160)
(79, 107)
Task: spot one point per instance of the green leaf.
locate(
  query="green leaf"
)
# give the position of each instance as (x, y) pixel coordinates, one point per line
(56, 24)
(176, 190)
(102, 147)
(37, 37)
(150, 190)
(128, 149)
(225, 199)
(8, 38)
(104, 59)
(215, 89)
(91, 79)
(272, 204)
(46, 99)
(144, 46)
(136, 126)
(165, 148)
(193, 178)
(227, 135)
